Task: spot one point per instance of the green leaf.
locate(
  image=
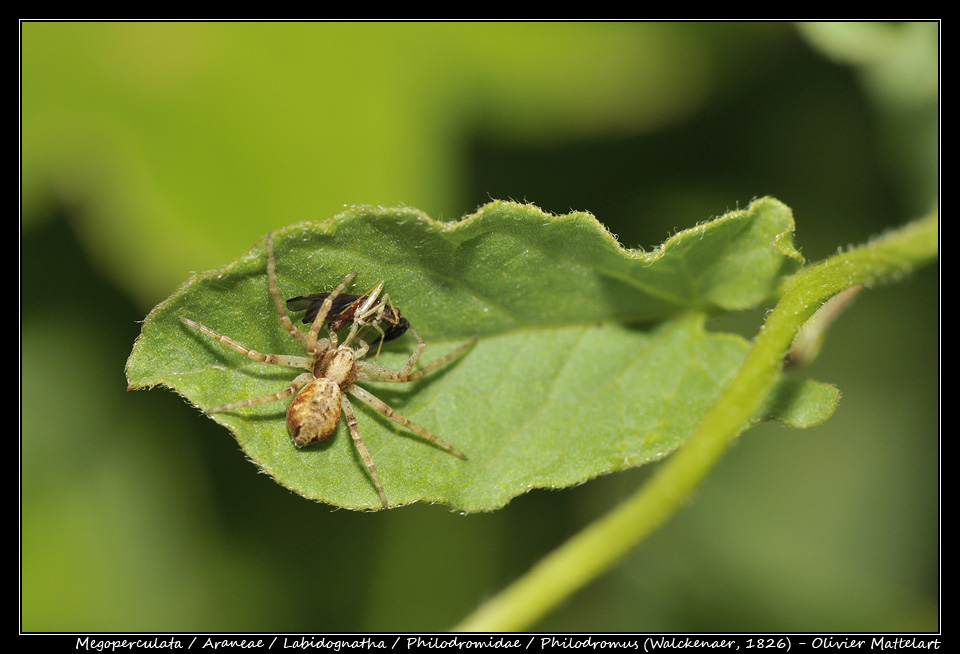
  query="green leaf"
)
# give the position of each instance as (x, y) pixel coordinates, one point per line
(591, 358)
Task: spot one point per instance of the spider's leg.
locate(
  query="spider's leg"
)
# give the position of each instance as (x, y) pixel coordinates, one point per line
(365, 347)
(436, 363)
(374, 372)
(353, 332)
(417, 351)
(362, 319)
(382, 407)
(362, 449)
(361, 350)
(321, 317)
(275, 294)
(369, 308)
(276, 359)
(377, 314)
(266, 399)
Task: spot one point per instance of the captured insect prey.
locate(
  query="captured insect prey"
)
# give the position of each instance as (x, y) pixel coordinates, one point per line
(364, 310)
(334, 368)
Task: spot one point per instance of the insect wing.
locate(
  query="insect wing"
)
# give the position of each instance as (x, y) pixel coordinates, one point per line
(312, 303)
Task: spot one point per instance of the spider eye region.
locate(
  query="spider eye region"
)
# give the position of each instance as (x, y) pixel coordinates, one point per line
(315, 411)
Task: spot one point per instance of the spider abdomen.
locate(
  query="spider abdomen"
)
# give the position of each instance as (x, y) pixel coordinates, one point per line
(315, 412)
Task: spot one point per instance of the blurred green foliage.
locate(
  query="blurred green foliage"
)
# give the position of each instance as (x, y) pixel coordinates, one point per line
(151, 150)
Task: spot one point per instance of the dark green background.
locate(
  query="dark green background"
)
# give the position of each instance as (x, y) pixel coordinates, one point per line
(154, 150)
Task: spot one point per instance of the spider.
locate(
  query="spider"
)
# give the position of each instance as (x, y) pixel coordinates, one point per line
(332, 372)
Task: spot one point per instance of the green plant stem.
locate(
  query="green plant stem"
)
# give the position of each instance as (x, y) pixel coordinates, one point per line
(603, 543)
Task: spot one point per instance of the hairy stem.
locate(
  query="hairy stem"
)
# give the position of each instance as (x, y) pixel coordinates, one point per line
(595, 549)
